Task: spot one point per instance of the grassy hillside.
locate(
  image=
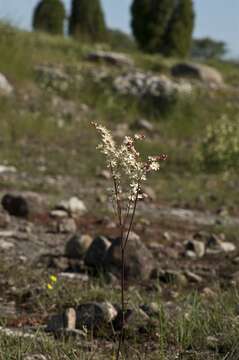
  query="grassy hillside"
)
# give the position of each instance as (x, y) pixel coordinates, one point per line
(46, 134)
(33, 131)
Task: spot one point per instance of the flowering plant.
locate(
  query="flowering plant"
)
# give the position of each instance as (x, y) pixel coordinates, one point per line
(128, 172)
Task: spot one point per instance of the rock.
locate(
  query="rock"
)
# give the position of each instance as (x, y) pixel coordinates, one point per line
(16, 333)
(206, 74)
(6, 245)
(195, 246)
(93, 315)
(149, 193)
(172, 277)
(227, 246)
(142, 84)
(67, 225)
(59, 322)
(66, 109)
(139, 261)
(212, 343)
(192, 277)
(24, 204)
(209, 293)
(105, 174)
(50, 76)
(134, 320)
(143, 124)
(5, 87)
(35, 357)
(74, 276)
(15, 205)
(77, 246)
(58, 214)
(7, 169)
(152, 309)
(121, 130)
(73, 206)
(96, 252)
(112, 58)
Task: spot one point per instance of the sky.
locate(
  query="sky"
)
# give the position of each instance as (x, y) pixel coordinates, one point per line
(218, 19)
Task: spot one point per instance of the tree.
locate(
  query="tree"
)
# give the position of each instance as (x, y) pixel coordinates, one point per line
(149, 20)
(87, 20)
(49, 16)
(178, 35)
(163, 26)
(207, 48)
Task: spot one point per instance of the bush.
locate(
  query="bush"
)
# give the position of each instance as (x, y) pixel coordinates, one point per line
(118, 40)
(87, 21)
(49, 16)
(220, 148)
(163, 26)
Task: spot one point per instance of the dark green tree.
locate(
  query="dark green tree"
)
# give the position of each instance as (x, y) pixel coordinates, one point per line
(87, 20)
(178, 34)
(163, 26)
(149, 21)
(207, 48)
(49, 16)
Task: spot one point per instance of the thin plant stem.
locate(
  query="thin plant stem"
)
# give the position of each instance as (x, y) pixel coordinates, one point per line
(123, 247)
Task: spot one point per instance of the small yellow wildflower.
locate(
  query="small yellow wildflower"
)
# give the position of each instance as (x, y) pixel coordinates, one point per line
(49, 287)
(53, 278)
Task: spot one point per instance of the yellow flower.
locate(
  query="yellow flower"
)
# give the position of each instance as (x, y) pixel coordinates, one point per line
(49, 287)
(53, 278)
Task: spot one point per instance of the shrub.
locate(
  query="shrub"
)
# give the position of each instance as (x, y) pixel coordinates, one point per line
(87, 20)
(118, 40)
(49, 16)
(163, 26)
(220, 148)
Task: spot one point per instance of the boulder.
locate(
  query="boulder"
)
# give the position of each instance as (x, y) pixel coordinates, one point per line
(204, 73)
(111, 58)
(6, 88)
(77, 246)
(195, 246)
(142, 84)
(66, 320)
(93, 315)
(73, 206)
(139, 261)
(15, 205)
(97, 251)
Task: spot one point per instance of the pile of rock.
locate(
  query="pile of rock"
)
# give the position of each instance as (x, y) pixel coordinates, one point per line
(101, 317)
(141, 84)
(104, 254)
(206, 243)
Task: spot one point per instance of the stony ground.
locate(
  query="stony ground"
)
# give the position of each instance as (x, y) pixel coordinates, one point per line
(59, 269)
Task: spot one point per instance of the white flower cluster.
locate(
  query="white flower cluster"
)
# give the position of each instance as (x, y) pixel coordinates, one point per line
(124, 162)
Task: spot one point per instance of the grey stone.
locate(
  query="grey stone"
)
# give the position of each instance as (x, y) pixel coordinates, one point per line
(35, 357)
(139, 261)
(198, 247)
(227, 246)
(73, 206)
(112, 58)
(77, 246)
(93, 315)
(143, 124)
(67, 225)
(206, 74)
(96, 252)
(66, 320)
(142, 84)
(6, 88)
